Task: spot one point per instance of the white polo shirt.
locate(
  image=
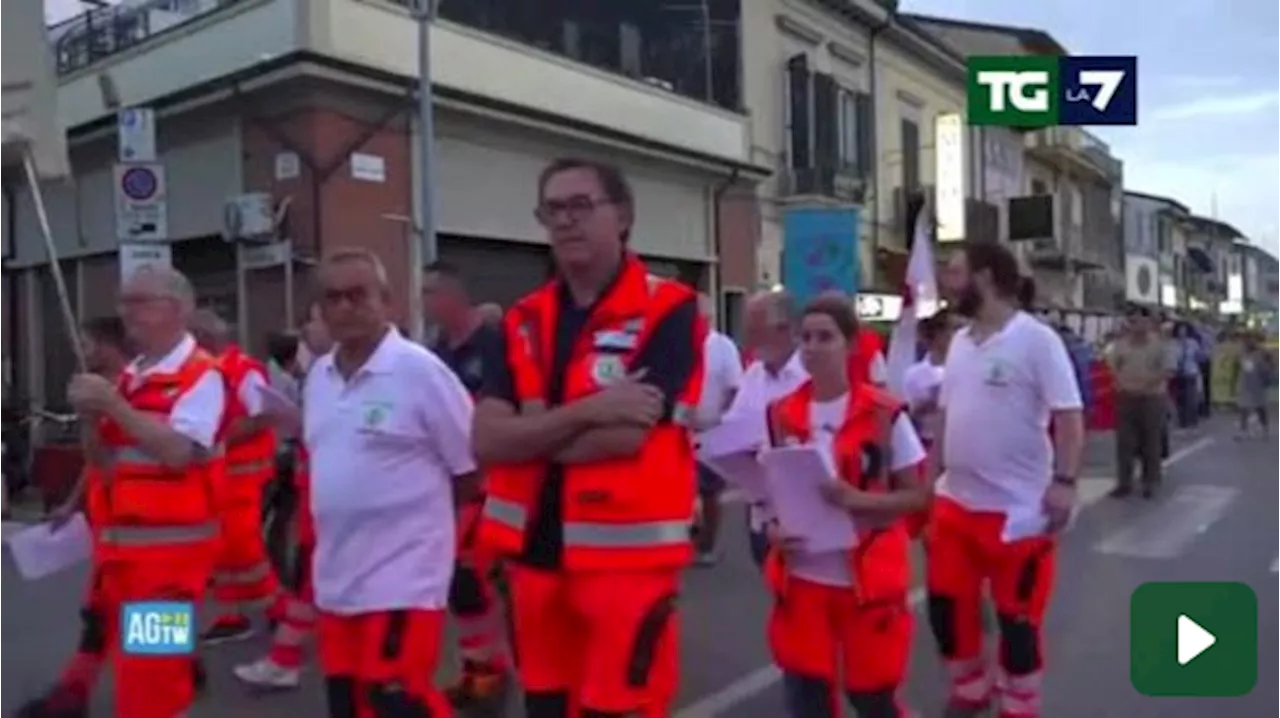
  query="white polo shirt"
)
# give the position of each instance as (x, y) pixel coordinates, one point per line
(998, 397)
(197, 414)
(723, 372)
(385, 446)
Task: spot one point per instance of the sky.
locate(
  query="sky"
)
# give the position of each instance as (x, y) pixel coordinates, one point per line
(1208, 93)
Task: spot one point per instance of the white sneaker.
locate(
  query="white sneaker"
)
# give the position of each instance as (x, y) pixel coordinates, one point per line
(265, 673)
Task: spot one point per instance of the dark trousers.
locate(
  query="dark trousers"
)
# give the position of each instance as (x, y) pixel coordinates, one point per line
(1206, 388)
(1140, 420)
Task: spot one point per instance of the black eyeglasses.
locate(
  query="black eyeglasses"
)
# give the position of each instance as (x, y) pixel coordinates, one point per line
(575, 208)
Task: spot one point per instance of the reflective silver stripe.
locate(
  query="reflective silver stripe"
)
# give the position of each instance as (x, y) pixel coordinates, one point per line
(158, 535)
(589, 534)
(651, 533)
(249, 575)
(250, 467)
(135, 455)
(507, 513)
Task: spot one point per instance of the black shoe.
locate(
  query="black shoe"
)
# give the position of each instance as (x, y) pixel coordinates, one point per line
(57, 703)
(1148, 492)
(227, 630)
(1121, 492)
(957, 711)
(199, 677)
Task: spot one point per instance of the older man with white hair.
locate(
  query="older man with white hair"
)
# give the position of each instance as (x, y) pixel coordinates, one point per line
(155, 435)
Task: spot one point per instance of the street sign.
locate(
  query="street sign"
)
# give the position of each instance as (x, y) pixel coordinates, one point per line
(136, 131)
(142, 212)
(136, 256)
(264, 256)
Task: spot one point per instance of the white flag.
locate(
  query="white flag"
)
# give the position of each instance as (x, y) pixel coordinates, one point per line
(919, 300)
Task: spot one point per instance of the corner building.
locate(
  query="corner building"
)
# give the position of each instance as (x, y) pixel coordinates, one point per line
(312, 102)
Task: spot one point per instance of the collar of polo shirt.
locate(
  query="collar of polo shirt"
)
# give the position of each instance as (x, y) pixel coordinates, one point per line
(381, 361)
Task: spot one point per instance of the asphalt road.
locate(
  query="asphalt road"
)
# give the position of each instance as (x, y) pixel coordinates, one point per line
(1114, 547)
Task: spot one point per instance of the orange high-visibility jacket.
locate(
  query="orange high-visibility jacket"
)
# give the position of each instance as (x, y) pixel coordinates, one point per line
(879, 562)
(145, 502)
(628, 512)
(254, 456)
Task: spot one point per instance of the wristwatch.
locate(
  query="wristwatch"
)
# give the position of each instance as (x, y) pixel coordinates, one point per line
(1064, 479)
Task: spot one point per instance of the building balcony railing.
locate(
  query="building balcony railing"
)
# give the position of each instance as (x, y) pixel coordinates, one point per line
(1074, 148)
(102, 32)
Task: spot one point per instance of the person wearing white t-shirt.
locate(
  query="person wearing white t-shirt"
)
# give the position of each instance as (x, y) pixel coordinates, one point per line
(922, 382)
(841, 623)
(775, 371)
(723, 371)
(387, 427)
(1004, 490)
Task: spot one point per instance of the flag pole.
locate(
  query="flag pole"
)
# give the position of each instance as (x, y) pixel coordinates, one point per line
(55, 266)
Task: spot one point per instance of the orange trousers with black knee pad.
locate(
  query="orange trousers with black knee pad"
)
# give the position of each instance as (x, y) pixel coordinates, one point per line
(859, 649)
(966, 553)
(601, 642)
(382, 664)
(148, 686)
(243, 577)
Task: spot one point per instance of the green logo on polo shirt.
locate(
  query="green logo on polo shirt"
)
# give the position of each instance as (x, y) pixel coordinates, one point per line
(375, 412)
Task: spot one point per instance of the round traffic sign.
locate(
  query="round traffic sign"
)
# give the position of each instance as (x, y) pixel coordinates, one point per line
(139, 183)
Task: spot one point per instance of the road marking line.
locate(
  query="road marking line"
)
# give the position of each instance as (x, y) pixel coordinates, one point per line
(1275, 565)
(1173, 526)
(1091, 490)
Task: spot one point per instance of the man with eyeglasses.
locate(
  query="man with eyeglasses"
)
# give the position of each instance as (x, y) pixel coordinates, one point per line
(774, 372)
(582, 429)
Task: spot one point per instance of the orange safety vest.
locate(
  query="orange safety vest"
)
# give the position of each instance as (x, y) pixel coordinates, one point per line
(146, 503)
(254, 456)
(623, 513)
(879, 563)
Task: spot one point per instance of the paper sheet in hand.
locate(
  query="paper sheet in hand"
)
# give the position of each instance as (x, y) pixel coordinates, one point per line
(743, 431)
(795, 476)
(743, 471)
(39, 551)
(1031, 522)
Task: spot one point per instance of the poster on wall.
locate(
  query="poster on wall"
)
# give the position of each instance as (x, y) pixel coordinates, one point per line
(819, 251)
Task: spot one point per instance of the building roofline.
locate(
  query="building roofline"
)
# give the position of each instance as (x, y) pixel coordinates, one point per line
(1032, 39)
(1159, 198)
(1219, 227)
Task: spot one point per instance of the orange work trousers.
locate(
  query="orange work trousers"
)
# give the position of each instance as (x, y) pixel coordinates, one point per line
(604, 641)
(822, 632)
(149, 686)
(474, 600)
(966, 553)
(383, 664)
(243, 578)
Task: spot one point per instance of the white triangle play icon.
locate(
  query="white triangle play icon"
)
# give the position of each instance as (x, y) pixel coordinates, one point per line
(1192, 640)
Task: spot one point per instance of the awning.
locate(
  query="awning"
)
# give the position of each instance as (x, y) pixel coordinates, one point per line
(1200, 260)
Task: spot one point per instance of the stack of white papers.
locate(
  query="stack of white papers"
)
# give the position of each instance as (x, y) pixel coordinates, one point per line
(795, 477)
(40, 551)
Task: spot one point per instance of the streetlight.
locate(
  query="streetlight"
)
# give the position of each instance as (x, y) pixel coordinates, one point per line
(422, 247)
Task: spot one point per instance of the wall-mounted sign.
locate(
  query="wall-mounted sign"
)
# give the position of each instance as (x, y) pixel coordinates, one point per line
(879, 307)
(368, 168)
(949, 139)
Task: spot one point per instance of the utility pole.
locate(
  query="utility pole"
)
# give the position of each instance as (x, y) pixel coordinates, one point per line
(422, 243)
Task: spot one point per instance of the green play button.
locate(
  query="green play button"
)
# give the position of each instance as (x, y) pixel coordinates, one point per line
(1193, 639)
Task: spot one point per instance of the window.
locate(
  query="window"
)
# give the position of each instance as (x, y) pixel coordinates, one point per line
(910, 156)
(798, 110)
(847, 106)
